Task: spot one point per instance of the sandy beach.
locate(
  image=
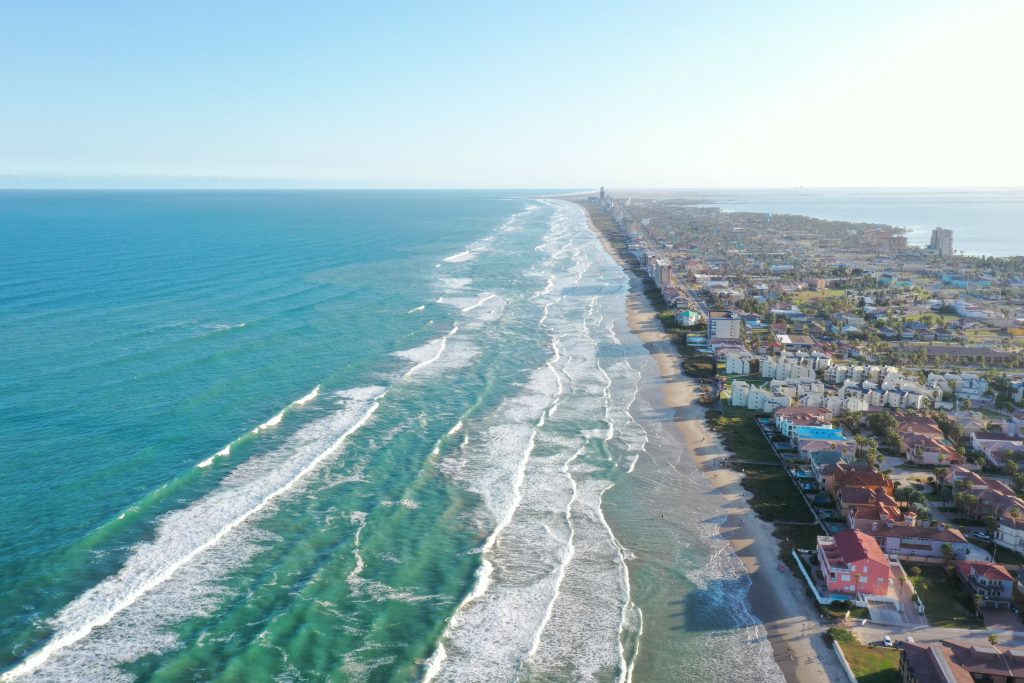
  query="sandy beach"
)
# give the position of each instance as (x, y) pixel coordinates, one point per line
(792, 623)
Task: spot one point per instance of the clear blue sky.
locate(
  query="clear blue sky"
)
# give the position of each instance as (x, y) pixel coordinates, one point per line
(516, 94)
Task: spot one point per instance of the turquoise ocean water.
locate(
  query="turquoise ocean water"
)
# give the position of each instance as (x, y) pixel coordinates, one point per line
(375, 436)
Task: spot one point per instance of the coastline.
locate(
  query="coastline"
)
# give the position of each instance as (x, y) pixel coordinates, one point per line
(777, 599)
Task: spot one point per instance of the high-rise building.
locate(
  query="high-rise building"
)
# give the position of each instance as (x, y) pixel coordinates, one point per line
(942, 242)
(724, 325)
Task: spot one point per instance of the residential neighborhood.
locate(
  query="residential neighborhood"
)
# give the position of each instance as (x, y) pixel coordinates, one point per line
(886, 382)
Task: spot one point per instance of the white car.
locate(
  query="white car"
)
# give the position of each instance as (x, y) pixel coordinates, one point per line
(887, 641)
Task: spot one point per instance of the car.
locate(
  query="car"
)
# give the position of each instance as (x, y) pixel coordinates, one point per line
(887, 641)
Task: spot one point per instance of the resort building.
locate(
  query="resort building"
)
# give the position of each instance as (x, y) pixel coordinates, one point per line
(724, 325)
(942, 242)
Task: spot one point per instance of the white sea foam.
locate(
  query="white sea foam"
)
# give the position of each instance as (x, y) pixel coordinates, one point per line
(272, 422)
(308, 397)
(276, 420)
(428, 354)
(531, 547)
(185, 554)
(416, 310)
(355, 576)
(448, 283)
(477, 304)
(461, 257)
(434, 663)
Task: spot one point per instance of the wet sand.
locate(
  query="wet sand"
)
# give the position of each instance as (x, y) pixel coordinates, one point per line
(777, 598)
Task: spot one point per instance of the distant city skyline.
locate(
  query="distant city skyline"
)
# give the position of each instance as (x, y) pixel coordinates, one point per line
(461, 95)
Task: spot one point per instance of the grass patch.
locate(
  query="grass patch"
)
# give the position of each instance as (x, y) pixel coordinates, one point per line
(806, 295)
(775, 498)
(1004, 555)
(741, 435)
(943, 318)
(798, 536)
(946, 602)
(873, 664)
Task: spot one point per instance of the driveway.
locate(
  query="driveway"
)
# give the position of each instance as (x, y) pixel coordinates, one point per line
(1001, 619)
(885, 613)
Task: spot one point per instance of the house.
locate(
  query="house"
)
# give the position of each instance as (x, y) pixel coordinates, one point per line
(929, 450)
(856, 474)
(990, 582)
(952, 661)
(867, 509)
(922, 441)
(999, 448)
(908, 542)
(808, 447)
(822, 459)
(848, 496)
(852, 563)
(1010, 533)
(688, 318)
(971, 422)
(787, 419)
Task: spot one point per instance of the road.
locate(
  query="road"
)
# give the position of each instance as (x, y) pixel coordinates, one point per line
(872, 634)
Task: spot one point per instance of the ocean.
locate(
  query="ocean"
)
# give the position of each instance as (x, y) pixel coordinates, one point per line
(985, 222)
(346, 436)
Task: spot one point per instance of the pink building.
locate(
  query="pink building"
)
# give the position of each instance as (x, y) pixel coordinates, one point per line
(852, 563)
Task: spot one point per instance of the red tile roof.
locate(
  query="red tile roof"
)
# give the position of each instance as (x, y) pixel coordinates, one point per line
(856, 546)
(984, 570)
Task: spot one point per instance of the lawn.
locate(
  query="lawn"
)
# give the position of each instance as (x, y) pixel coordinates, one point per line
(943, 318)
(810, 295)
(946, 602)
(800, 536)
(775, 497)
(741, 436)
(873, 664)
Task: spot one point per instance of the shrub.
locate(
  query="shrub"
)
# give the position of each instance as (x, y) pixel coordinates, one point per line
(842, 635)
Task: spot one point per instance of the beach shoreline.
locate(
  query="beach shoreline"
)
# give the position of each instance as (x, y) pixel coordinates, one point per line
(792, 624)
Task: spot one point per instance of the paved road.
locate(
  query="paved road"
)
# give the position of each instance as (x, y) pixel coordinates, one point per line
(872, 634)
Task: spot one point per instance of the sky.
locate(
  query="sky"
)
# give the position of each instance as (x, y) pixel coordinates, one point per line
(511, 94)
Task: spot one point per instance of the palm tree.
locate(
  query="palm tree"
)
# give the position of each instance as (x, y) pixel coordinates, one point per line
(992, 524)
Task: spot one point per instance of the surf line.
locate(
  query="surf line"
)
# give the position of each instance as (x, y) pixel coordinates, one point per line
(444, 342)
(40, 657)
(478, 304)
(272, 422)
(483, 574)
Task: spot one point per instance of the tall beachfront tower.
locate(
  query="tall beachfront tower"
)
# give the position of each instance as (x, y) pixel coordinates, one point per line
(942, 242)
(602, 193)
